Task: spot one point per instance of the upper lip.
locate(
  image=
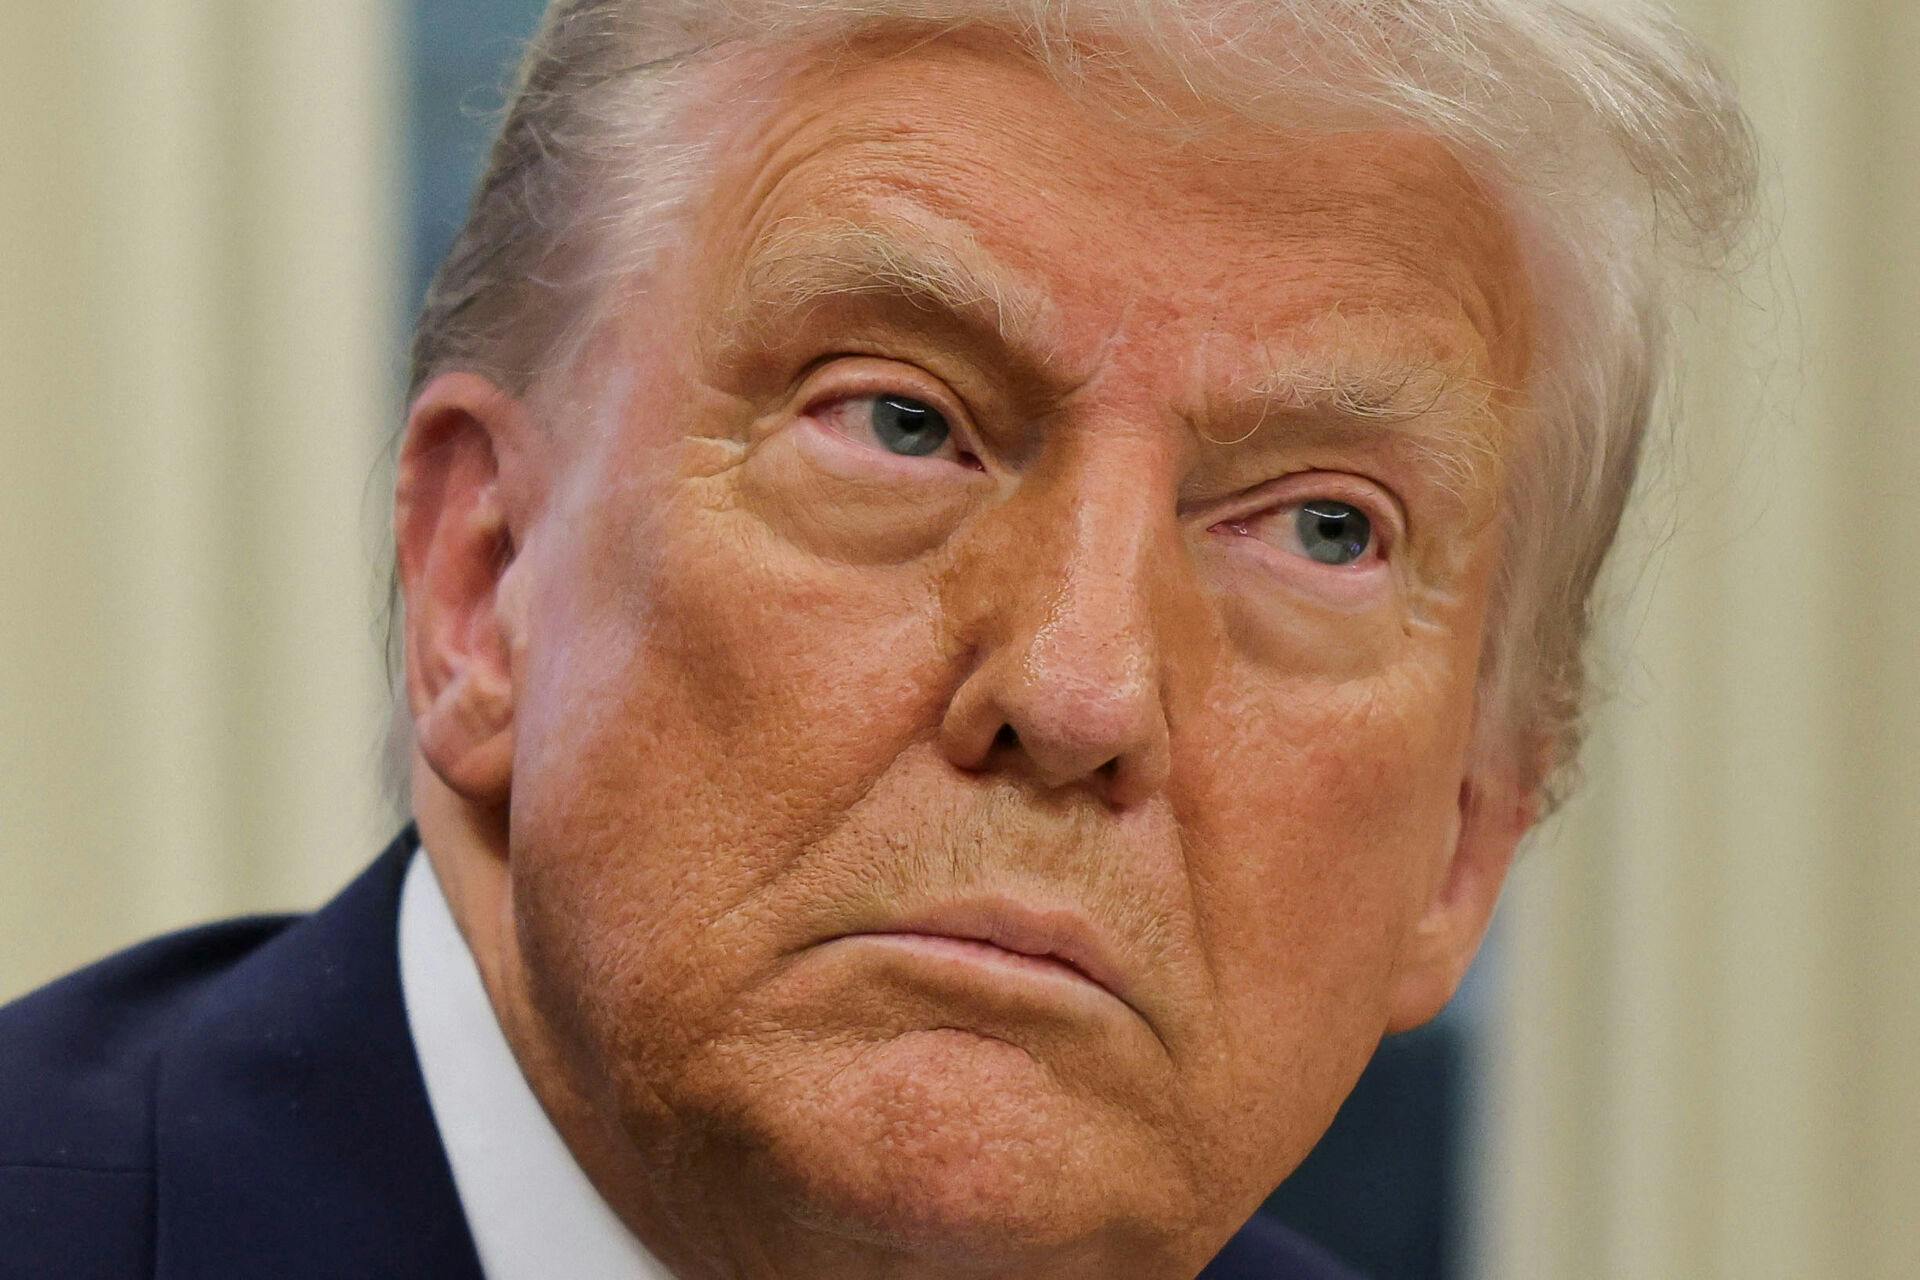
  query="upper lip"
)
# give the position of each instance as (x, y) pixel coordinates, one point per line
(1055, 933)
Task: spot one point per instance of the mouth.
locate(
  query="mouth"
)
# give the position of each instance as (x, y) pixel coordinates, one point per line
(1057, 943)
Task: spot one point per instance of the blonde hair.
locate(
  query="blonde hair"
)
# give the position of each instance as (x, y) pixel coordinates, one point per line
(1615, 146)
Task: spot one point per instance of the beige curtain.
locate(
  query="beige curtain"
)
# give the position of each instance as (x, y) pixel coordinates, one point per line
(197, 364)
(1708, 1060)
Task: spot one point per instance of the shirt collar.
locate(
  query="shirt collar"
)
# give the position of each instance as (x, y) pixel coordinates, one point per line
(532, 1212)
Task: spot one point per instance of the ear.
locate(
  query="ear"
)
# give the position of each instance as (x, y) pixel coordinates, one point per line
(1496, 809)
(456, 537)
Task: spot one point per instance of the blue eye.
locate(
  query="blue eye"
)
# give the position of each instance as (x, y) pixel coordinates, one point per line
(1333, 532)
(907, 426)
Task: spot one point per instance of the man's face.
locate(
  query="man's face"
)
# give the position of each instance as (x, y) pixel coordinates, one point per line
(1004, 524)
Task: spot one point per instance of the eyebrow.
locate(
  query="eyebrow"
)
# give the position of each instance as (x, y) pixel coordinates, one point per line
(1438, 414)
(1363, 393)
(793, 269)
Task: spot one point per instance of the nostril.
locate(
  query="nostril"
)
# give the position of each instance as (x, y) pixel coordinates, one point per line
(1007, 737)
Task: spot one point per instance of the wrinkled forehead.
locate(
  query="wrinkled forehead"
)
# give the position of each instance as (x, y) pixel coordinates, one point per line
(1081, 221)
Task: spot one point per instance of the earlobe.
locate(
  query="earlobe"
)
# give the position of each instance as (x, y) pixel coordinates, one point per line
(455, 533)
(1494, 815)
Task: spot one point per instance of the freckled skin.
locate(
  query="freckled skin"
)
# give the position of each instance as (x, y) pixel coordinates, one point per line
(754, 678)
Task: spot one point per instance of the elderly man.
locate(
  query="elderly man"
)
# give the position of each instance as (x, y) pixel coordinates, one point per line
(989, 591)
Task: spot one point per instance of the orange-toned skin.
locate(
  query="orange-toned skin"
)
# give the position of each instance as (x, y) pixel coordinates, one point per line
(704, 677)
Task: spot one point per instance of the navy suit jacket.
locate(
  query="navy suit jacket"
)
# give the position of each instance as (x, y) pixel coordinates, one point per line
(243, 1100)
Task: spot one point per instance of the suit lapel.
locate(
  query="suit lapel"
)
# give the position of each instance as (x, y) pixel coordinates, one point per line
(293, 1135)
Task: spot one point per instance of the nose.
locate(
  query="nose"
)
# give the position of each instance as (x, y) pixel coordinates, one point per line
(1063, 593)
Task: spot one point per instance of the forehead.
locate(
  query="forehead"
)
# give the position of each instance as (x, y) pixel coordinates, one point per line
(1234, 231)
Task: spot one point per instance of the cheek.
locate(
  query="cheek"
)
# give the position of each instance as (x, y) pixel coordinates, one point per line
(706, 693)
(703, 705)
(1316, 824)
(1329, 802)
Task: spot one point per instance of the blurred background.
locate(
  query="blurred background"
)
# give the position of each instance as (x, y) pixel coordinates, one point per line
(1691, 1047)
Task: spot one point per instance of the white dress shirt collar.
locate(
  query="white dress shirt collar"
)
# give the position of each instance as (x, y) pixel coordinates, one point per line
(531, 1210)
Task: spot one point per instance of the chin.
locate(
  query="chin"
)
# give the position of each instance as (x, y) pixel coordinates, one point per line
(957, 1145)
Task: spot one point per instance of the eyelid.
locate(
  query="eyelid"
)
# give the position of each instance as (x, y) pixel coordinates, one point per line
(874, 377)
(1379, 504)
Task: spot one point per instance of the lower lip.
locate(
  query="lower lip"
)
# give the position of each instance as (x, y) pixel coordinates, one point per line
(973, 952)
